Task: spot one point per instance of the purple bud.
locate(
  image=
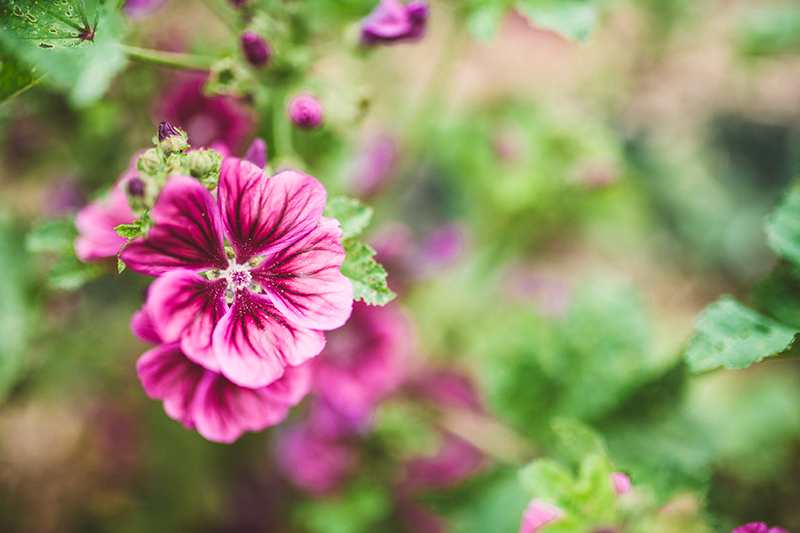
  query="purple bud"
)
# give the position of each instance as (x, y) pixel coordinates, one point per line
(257, 153)
(166, 130)
(305, 111)
(136, 186)
(539, 514)
(392, 22)
(255, 48)
(621, 482)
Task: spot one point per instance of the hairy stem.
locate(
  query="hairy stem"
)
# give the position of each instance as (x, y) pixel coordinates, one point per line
(168, 59)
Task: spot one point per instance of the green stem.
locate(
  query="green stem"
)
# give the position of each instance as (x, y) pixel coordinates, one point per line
(282, 129)
(168, 59)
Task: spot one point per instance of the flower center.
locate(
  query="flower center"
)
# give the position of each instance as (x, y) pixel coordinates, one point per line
(238, 276)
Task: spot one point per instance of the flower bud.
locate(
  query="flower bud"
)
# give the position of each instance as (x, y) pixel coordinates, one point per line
(256, 49)
(136, 186)
(257, 153)
(200, 162)
(149, 163)
(171, 139)
(305, 111)
(621, 482)
(166, 130)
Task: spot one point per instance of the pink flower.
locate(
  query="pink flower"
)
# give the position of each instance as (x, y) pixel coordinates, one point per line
(313, 462)
(364, 361)
(392, 22)
(537, 515)
(375, 166)
(205, 400)
(257, 153)
(758, 527)
(263, 302)
(96, 222)
(454, 461)
(621, 482)
(137, 9)
(305, 111)
(208, 122)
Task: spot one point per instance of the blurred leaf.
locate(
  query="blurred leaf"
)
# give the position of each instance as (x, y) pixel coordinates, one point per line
(734, 336)
(770, 29)
(367, 276)
(14, 77)
(70, 273)
(57, 237)
(84, 72)
(576, 440)
(496, 507)
(51, 236)
(547, 478)
(575, 19)
(48, 23)
(351, 214)
(356, 511)
(783, 227)
(482, 22)
(779, 296)
(15, 311)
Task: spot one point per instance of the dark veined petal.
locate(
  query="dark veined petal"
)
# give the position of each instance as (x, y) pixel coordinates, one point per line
(185, 308)
(187, 233)
(254, 343)
(222, 411)
(263, 215)
(304, 281)
(166, 374)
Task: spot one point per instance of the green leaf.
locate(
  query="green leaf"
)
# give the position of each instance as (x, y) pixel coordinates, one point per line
(574, 19)
(69, 273)
(734, 336)
(14, 77)
(547, 478)
(783, 227)
(356, 511)
(576, 440)
(351, 214)
(120, 265)
(51, 236)
(482, 22)
(129, 231)
(367, 276)
(48, 23)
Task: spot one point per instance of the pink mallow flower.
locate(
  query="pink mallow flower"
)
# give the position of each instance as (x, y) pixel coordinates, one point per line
(96, 222)
(622, 483)
(392, 22)
(758, 527)
(539, 514)
(264, 300)
(364, 361)
(205, 400)
(305, 111)
(215, 122)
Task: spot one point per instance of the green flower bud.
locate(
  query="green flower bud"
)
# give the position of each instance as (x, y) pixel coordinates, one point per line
(201, 162)
(149, 162)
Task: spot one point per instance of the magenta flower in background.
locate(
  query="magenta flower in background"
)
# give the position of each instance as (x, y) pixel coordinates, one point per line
(313, 462)
(537, 515)
(96, 222)
(392, 22)
(454, 461)
(621, 482)
(257, 153)
(305, 111)
(364, 361)
(205, 400)
(375, 165)
(208, 122)
(136, 9)
(758, 527)
(264, 301)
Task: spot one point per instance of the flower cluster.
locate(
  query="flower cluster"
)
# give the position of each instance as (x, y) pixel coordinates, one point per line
(247, 281)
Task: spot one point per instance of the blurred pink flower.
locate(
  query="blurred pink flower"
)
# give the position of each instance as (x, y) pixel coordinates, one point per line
(305, 111)
(208, 121)
(136, 9)
(392, 22)
(97, 239)
(537, 515)
(622, 483)
(454, 461)
(313, 462)
(758, 527)
(255, 49)
(364, 361)
(375, 165)
(257, 153)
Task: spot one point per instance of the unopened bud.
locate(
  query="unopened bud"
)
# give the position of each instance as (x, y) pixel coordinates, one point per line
(201, 162)
(257, 153)
(171, 139)
(149, 162)
(255, 48)
(136, 186)
(166, 130)
(305, 111)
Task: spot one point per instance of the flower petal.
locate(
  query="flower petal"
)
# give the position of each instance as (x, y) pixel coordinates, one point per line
(96, 224)
(222, 411)
(187, 234)
(263, 215)
(186, 307)
(167, 375)
(304, 281)
(143, 327)
(254, 343)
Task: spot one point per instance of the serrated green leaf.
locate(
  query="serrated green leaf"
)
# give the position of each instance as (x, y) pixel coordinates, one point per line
(734, 336)
(547, 478)
(367, 276)
(120, 265)
(129, 231)
(69, 273)
(51, 236)
(351, 214)
(48, 23)
(15, 78)
(575, 19)
(783, 227)
(576, 440)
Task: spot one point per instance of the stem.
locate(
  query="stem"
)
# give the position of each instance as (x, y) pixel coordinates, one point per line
(168, 59)
(489, 436)
(282, 129)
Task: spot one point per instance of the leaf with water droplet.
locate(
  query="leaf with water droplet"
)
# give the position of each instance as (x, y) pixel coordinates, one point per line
(14, 77)
(22, 19)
